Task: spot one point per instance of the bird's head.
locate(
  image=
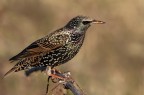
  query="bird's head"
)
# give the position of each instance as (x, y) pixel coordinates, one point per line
(82, 23)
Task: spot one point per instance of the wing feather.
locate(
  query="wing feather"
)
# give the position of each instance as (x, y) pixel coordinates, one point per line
(46, 44)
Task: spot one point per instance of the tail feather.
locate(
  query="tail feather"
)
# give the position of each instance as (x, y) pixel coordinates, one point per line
(10, 71)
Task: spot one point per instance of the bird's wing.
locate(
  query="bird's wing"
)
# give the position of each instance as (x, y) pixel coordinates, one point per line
(46, 44)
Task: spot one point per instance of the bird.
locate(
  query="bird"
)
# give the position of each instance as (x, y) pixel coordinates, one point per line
(56, 48)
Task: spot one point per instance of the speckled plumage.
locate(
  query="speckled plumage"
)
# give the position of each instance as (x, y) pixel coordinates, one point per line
(56, 48)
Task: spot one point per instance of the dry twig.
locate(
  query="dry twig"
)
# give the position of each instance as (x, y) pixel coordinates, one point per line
(65, 80)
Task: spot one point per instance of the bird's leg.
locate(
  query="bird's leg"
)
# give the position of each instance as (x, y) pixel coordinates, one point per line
(53, 73)
(48, 70)
(56, 75)
(56, 71)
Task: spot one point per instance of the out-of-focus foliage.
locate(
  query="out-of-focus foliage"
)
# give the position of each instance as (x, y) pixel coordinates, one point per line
(111, 61)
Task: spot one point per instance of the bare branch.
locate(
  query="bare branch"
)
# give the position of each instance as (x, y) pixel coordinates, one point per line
(64, 79)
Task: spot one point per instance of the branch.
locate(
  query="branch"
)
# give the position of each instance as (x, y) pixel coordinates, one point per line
(74, 90)
(64, 79)
(69, 83)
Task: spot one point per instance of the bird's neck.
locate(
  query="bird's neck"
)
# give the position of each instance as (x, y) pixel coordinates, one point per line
(77, 37)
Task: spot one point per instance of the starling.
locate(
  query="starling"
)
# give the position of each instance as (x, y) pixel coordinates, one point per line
(56, 48)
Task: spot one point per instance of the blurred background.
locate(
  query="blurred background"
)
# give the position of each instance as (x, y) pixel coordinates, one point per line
(111, 61)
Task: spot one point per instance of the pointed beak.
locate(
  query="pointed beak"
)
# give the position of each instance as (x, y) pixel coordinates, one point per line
(98, 22)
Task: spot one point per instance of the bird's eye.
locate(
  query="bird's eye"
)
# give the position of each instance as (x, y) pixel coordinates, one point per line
(86, 22)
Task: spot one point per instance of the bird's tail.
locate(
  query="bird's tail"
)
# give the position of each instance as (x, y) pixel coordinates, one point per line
(10, 71)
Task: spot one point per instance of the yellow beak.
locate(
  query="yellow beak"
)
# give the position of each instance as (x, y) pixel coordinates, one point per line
(98, 22)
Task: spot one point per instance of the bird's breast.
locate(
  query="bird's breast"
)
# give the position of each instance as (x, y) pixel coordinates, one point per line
(75, 43)
(76, 38)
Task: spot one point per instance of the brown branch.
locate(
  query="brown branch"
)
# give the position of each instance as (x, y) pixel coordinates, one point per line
(69, 83)
(65, 80)
(74, 90)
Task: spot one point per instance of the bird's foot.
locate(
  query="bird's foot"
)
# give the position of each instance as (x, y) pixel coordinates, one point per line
(56, 77)
(54, 74)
